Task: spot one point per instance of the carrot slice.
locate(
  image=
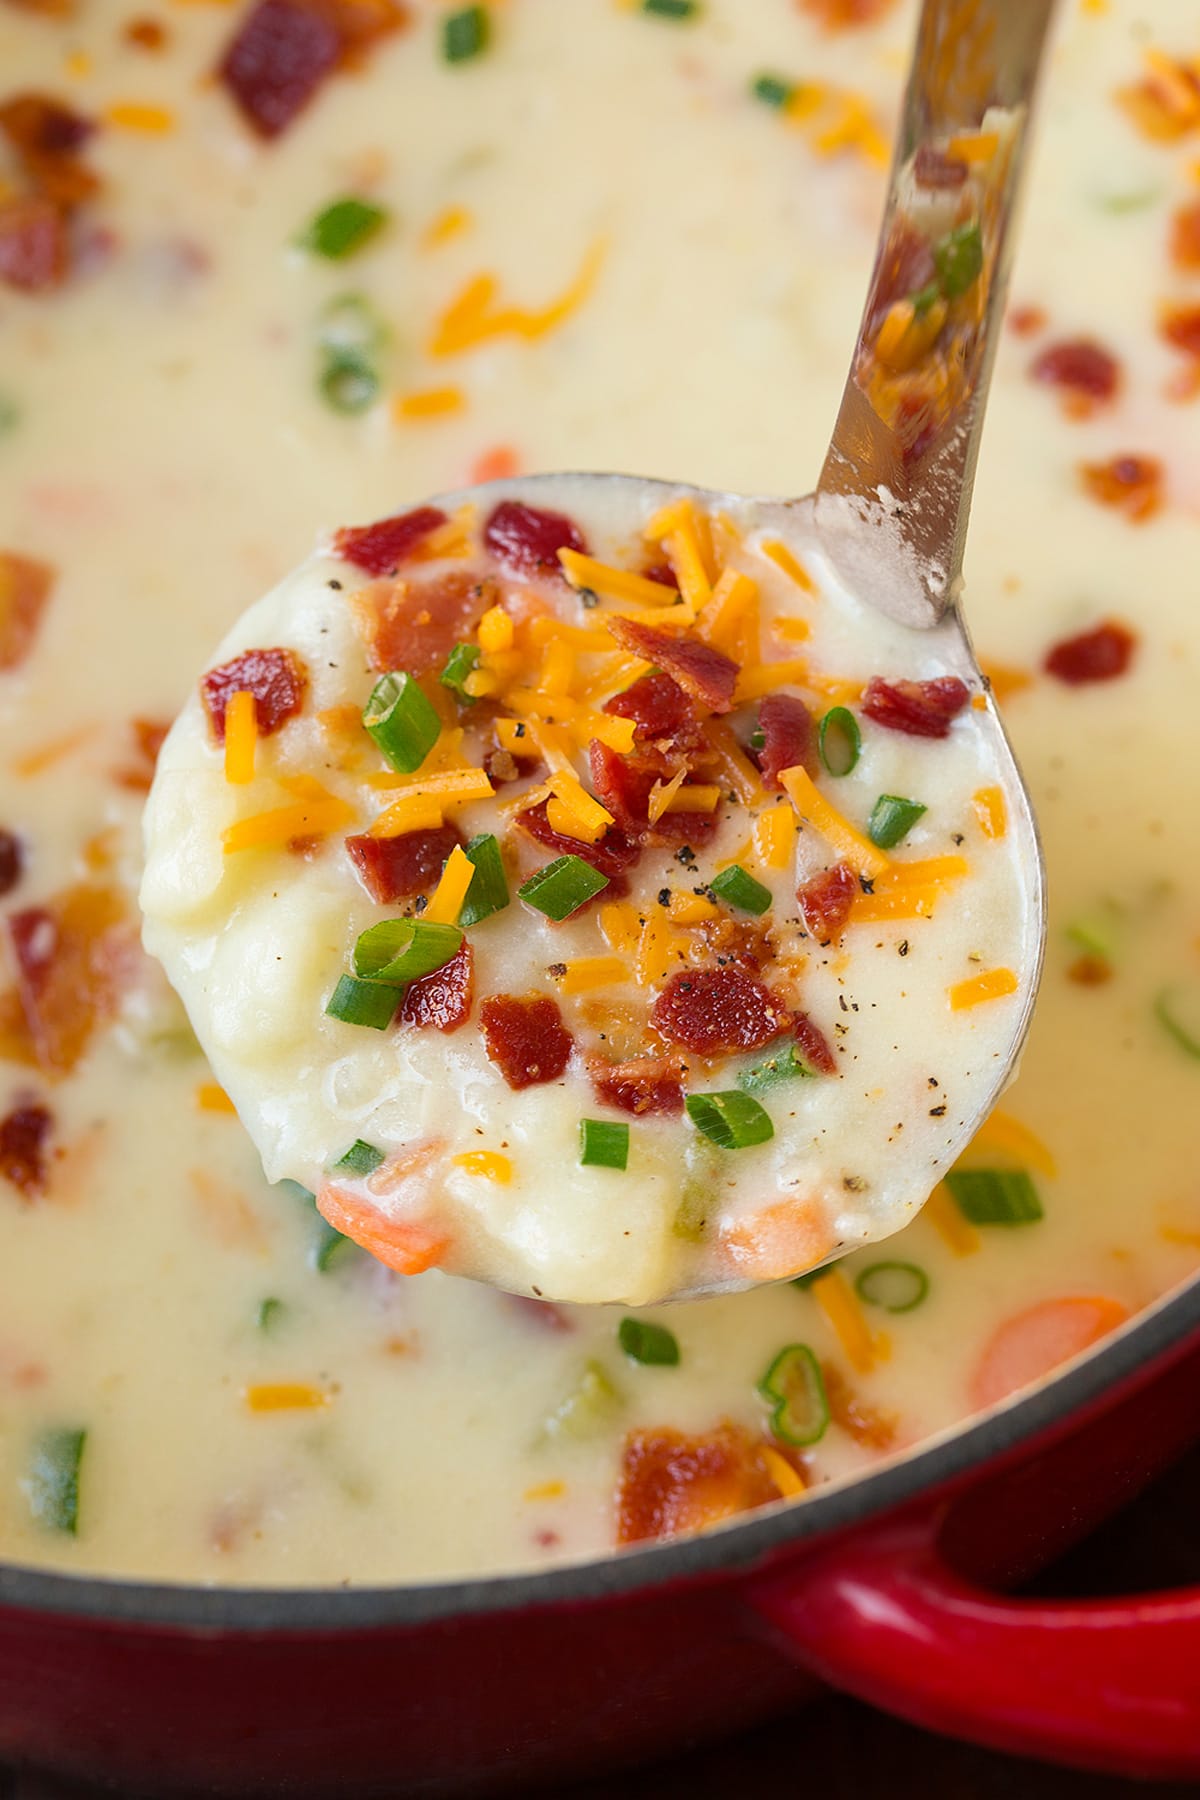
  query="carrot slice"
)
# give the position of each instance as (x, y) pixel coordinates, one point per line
(1034, 1342)
(784, 1239)
(403, 1244)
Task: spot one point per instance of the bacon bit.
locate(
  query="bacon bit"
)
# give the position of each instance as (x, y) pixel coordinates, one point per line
(46, 137)
(1101, 654)
(905, 266)
(12, 859)
(1165, 103)
(414, 625)
(33, 245)
(442, 1000)
(1180, 326)
(708, 675)
(932, 168)
(1133, 484)
(873, 1429)
(525, 1038)
(541, 1312)
(72, 955)
(382, 547)
(826, 901)
(673, 1483)
(527, 539)
(813, 1045)
(844, 15)
(145, 34)
(788, 732)
(23, 1160)
(919, 708)
(710, 1010)
(284, 50)
(644, 1084)
(658, 707)
(500, 463)
(277, 679)
(1026, 321)
(24, 590)
(148, 735)
(394, 869)
(1090, 971)
(1185, 237)
(1086, 375)
(611, 855)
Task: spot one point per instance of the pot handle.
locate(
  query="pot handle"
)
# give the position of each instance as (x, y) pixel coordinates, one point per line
(1107, 1684)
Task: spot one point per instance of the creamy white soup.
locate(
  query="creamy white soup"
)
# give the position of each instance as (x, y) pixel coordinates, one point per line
(238, 314)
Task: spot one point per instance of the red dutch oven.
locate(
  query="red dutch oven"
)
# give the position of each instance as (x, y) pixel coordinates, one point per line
(892, 1588)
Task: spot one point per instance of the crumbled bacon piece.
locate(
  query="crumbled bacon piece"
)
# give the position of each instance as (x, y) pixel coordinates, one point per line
(1133, 484)
(624, 786)
(672, 1482)
(11, 861)
(663, 573)
(24, 590)
(1025, 321)
(73, 956)
(1185, 237)
(905, 266)
(414, 625)
(1085, 374)
(657, 705)
(710, 1010)
(1165, 103)
(527, 539)
(813, 1045)
(1097, 655)
(644, 1084)
(281, 53)
(46, 137)
(38, 126)
(396, 868)
(1090, 971)
(708, 675)
(934, 168)
(148, 735)
(543, 1313)
(787, 729)
(382, 547)
(826, 900)
(525, 1038)
(873, 1429)
(33, 244)
(442, 1000)
(611, 855)
(843, 15)
(145, 34)
(23, 1160)
(919, 708)
(1180, 326)
(277, 679)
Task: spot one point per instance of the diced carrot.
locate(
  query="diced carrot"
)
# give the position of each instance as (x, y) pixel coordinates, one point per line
(406, 1245)
(1035, 1341)
(784, 1239)
(499, 463)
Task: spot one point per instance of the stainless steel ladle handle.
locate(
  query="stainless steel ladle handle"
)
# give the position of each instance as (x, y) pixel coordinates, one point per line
(895, 492)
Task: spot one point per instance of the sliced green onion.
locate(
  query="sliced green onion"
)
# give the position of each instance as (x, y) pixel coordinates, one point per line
(732, 1120)
(488, 892)
(402, 721)
(362, 1003)
(398, 951)
(924, 298)
(671, 9)
(1169, 1010)
(562, 887)
(360, 1159)
(773, 90)
(737, 887)
(460, 663)
(270, 1314)
(465, 34)
(781, 1065)
(10, 415)
(758, 738)
(350, 326)
(588, 1408)
(958, 258)
(603, 1144)
(342, 227)
(52, 1486)
(892, 818)
(348, 381)
(1134, 200)
(897, 1287)
(330, 1245)
(796, 1389)
(995, 1196)
(839, 741)
(647, 1343)
(696, 1202)
(1094, 935)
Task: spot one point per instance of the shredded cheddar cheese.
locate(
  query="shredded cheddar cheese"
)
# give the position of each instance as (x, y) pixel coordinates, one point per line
(428, 403)
(774, 836)
(135, 115)
(790, 563)
(412, 812)
(495, 630)
(451, 890)
(734, 764)
(211, 1097)
(285, 1396)
(490, 1165)
(691, 909)
(588, 972)
(613, 584)
(957, 1233)
(476, 314)
(991, 811)
(720, 620)
(316, 814)
(839, 1303)
(780, 1470)
(993, 985)
(620, 926)
(1000, 1131)
(768, 678)
(815, 810)
(241, 738)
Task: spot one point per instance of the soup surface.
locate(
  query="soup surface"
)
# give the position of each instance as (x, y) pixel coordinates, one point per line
(206, 362)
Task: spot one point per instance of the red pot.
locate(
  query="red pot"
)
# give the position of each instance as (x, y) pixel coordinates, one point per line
(890, 1588)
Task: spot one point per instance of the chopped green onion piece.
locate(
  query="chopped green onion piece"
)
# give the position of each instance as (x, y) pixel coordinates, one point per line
(647, 1343)
(349, 326)
(562, 887)
(348, 381)
(696, 1201)
(671, 9)
(772, 90)
(1169, 1010)
(995, 1196)
(10, 415)
(892, 818)
(465, 34)
(795, 1386)
(758, 738)
(587, 1409)
(362, 1003)
(781, 1065)
(52, 1486)
(360, 1159)
(488, 892)
(342, 227)
(1094, 935)
(1134, 200)
(270, 1313)
(329, 1245)
(737, 887)
(460, 663)
(732, 1120)
(839, 741)
(958, 258)
(398, 951)
(603, 1144)
(924, 298)
(897, 1287)
(402, 721)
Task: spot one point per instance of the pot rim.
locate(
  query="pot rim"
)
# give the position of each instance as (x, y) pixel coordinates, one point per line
(739, 1545)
